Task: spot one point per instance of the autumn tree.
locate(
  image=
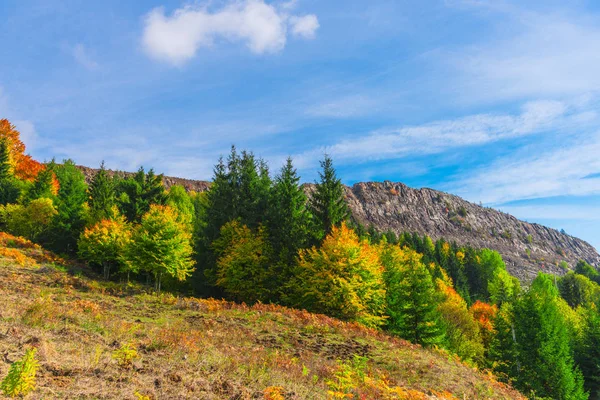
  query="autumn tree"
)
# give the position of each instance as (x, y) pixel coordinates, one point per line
(101, 196)
(105, 243)
(24, 167)
(462, 334)
(243, 264)
(29, 221)
(411, 301)
(161, 245)
(485, 315)
(327, 203)
(343, 278)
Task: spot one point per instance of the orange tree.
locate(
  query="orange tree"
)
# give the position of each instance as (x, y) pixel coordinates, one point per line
(343, 278)
(25, 167)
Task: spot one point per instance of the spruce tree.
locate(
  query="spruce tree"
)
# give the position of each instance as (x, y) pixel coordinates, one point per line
(588, 351)
(101, 195)
(69, 202)
(10, 189)
(327, 203)
(42, 185)
(288, 214)
(136, 194)
(545, 358)
(412, 303)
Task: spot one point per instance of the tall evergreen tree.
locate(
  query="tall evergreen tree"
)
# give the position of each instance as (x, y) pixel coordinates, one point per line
(288, 218)
(136, 194)
(43, 184)
(327, 203)
(10, 189)
(588, 351)
(412, 303)
(545, 357)
(69, 202)
(101, 195)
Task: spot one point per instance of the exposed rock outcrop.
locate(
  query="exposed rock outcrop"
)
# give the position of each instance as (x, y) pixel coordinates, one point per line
(525, 247)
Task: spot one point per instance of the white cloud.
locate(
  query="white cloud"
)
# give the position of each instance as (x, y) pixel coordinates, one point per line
(262, 27)
(344, 107)
(440, 136)
(531, 173)
(535, 54)
(82, 56)
(305, 26)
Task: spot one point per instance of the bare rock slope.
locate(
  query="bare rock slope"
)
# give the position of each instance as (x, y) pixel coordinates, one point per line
(525, 247)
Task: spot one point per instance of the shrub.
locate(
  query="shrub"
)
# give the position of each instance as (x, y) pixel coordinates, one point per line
(21, 376)
(125, 356)
(29, 221)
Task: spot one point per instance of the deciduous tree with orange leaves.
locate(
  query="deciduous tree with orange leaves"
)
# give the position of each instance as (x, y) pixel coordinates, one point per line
(25, 167)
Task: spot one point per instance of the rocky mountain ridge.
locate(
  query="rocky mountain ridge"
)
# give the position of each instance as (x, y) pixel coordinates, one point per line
(525, 247)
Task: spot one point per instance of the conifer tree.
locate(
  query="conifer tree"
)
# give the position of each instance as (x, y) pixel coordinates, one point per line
(545, 358)
(412, 303)
(288, 220)
(10, 190)
(43, 185)
(101, 196)
(69, 202)
(136, 194)
(327, 203)
(588, 351)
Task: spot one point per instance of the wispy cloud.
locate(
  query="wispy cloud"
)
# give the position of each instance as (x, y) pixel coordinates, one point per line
(82, 56)
(261, 26)
(344, 107)
(440, 136)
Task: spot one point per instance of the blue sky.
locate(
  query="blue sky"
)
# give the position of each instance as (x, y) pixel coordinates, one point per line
(495, 101)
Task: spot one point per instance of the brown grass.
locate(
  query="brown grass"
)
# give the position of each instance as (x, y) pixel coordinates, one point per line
(189, 348)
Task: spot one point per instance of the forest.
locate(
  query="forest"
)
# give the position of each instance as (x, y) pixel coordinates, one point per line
(258, 236)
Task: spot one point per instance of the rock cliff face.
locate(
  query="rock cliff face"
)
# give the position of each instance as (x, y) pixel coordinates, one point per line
(526, 248)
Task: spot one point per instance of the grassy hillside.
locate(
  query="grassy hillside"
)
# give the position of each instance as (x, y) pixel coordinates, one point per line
(84, 330)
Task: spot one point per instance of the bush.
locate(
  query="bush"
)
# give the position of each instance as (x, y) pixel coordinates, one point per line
(21, 376)
(28, 221)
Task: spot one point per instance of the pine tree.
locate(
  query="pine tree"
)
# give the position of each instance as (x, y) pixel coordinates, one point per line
(101, 196)
(327, 203)
(10, 189)
(43, 185)
(588, 351)
(546, 365)
(136, 194)
(412, 303)
(69, 202)
(288, 221)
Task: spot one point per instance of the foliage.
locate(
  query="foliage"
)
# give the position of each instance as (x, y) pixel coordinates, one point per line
(101, 196)
(578, 290)
(588, 271)
(485, 316)
(161, 244)
(343, 278)
(125, 356)
(181, 201)
(105, 243)
(136, 194)
(243, 266)
(45, 184)
(10, 189)
(70, 200)
(29, 221)
(327, 203)
(588, 350)
(411, 301)
(25, 168)
(21, 376)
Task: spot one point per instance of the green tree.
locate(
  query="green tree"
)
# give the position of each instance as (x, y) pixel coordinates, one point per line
(68, 224)
(179, 199)
(588, 351)
(546, 365)
(327, 203)
(136, 194)
(10, 187)
(29, 221)
(288, 221)
(412, 303)
(161, 245)
(101, 196)
(243, 266)
(578, 290)
(587, 270)
(43, 185)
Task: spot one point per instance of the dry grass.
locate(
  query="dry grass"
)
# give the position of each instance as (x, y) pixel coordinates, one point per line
(106, 341)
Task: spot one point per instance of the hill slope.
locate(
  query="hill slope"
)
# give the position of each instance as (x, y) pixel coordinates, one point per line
(208, 349)
(526, 248)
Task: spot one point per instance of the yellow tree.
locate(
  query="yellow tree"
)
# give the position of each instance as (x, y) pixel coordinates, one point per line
(343, 278)
(161, 244)
(105, 243)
